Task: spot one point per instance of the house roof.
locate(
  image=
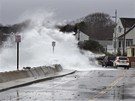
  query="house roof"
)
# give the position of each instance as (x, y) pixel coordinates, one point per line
(127, 31)
(127, 22)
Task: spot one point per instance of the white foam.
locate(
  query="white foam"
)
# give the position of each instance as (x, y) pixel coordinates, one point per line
(36, 49)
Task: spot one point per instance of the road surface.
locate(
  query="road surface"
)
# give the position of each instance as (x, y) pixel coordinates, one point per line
(95, 85)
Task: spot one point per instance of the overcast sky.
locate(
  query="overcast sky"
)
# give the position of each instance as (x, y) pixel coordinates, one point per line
(12, 10)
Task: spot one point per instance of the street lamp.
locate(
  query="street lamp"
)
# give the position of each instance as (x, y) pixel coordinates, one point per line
(17, 40)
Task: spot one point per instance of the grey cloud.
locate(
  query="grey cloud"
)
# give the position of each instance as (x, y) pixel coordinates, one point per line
(11, 10)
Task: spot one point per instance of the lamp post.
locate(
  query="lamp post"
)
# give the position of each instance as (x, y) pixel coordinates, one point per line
(17, 40)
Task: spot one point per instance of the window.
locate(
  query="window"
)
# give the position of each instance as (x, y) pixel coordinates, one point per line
(129, 42)
(119, 44)
(119, 29)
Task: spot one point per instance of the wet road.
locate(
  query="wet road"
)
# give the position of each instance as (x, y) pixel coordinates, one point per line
(95, 85)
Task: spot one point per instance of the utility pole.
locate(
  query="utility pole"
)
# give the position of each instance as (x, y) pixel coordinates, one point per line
(124, 38)
(124, 44)
(115, 44)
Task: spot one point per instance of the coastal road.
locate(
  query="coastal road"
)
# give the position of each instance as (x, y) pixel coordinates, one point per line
(94, 85)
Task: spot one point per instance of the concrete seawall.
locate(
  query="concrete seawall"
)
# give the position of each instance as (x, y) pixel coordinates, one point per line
(33, 72)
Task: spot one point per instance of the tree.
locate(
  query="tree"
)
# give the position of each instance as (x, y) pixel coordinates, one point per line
(99, 26)
(12, 28)
(93, 46)
(66, 28)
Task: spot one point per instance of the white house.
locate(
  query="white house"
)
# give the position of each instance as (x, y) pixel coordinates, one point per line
(107, 44)
(124, 34)
(80, 36)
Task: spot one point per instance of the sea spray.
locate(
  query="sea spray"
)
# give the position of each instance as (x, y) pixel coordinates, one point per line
(36, 49)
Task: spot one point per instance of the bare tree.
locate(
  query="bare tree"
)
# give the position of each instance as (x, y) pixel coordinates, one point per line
(99, 26)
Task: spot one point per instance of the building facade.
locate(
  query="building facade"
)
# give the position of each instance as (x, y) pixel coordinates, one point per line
(124, 35)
